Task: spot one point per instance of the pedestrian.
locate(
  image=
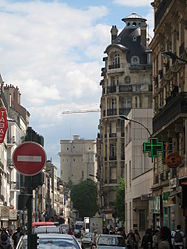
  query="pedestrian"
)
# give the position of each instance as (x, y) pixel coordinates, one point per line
(94, 239)
(178, 238)
(137, 238)
(165, 238)
(131, 241)
(147, 240)
(5, 242)
(105, 230)
(16, 236)
(156, 238)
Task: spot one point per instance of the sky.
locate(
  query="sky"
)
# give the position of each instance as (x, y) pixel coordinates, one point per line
(53, 52)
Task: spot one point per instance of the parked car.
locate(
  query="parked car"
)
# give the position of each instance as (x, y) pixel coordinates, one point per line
(51, 240)
(86, 241)
(110, 241)
(47, 229)
(78, 228)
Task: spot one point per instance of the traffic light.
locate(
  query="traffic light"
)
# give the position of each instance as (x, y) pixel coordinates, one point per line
(31, 135)
(37, 180)
(35, 241)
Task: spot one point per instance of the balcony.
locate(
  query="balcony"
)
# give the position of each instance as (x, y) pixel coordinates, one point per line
(125, 88)
(111, 89)
(176, 106)
(113, 66)
(116, 68)
(161, 11)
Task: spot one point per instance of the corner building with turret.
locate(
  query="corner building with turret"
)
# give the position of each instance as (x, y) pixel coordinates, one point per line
(126, 84)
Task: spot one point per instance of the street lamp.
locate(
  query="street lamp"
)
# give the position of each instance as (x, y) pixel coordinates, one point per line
(153, 146)
(173, 56)
(135, 121)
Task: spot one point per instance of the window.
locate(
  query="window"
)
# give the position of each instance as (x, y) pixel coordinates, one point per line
(112, 152)
(135, 60)
(142, 219)
(130, 174)
(116, 59)
(113, 174)
(134, 24)
(127, 79)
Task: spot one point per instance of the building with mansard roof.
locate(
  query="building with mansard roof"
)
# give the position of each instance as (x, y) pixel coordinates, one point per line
(126, 83)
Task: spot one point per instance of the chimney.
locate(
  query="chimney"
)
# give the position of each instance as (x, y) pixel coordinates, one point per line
(114, 33)
(143, 27)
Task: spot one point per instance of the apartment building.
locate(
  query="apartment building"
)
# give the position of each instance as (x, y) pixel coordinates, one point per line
(169, 52)
(138, 171)
(126, 83)
(78, 160)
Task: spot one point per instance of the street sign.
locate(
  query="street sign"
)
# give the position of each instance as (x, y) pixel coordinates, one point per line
(29, 158)
(153, 147)
(3, 123)
(173, 160)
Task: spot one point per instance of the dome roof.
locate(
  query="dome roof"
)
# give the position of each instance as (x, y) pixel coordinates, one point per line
(133, 16)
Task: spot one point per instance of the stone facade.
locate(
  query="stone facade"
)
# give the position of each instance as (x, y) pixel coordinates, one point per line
(169, 52)
(78, 160)
(126, 84)
(138, 171)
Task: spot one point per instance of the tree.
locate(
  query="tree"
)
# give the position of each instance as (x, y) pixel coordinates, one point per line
(120, 201)
(84, 198)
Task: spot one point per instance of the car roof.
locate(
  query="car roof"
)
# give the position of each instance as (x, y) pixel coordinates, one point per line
(110, 235)
(53, 235)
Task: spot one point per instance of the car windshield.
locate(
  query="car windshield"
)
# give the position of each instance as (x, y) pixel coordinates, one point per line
(78, 226)
(56, 243)
(111, 241)
(87, 235)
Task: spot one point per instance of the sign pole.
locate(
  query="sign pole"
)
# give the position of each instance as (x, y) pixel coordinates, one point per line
(29, 213)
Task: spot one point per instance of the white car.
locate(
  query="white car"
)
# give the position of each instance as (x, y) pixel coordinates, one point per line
(51, 241)
(110, 241)
(47, 229)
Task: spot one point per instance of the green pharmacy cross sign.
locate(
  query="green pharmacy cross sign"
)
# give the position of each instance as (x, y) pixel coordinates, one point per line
(153, 147)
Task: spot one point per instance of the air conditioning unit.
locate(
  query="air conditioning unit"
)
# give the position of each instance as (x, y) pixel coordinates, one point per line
(173, 182)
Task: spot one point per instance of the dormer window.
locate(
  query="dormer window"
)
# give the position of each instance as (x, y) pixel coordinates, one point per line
(127, 80)
(134, 38)
(134, 24)
(116, 59)
(135, 60)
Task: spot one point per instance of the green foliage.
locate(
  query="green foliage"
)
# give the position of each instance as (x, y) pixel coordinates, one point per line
(120, 201)
(84, 198)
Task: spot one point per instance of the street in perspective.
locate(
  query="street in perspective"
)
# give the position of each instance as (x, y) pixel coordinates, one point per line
(93, 124)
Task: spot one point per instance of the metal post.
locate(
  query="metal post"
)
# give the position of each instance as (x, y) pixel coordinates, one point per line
(29, 212)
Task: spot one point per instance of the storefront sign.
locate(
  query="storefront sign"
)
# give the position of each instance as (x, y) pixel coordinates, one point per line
(12, 214)
(173, 160)
(3, 123)
(4, 212)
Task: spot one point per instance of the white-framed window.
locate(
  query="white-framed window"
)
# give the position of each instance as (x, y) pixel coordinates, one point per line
(116, 59)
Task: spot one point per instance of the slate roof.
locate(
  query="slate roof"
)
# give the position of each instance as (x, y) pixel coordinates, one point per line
(126, 40)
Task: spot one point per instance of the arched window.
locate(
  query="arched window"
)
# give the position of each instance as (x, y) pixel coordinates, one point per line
(116, 60)
(127, 79)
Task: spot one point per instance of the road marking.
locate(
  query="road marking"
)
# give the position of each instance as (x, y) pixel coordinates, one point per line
(29, 158)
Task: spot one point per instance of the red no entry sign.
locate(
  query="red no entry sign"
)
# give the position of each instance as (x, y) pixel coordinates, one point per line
(29, 158)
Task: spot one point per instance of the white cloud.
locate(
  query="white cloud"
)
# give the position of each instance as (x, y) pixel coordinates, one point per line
(50, 51)
(150, 22)
(134, 3)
